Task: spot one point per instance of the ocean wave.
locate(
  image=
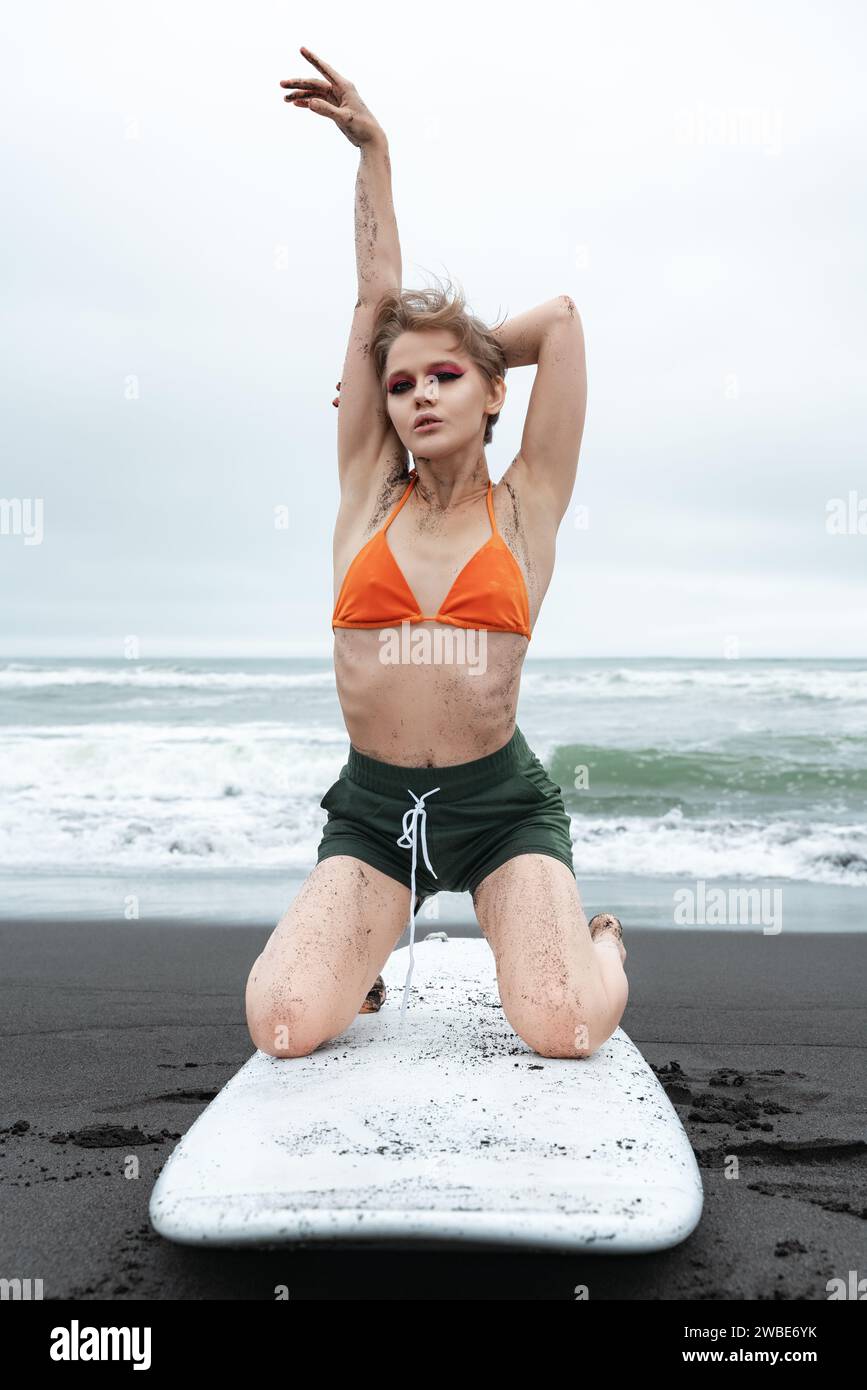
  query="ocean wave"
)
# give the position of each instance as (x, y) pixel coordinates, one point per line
(140, 675)
(67, 765)
(788, 683)
(794, 768)
(230, 834)
(579, 680)
(269, 756)
(672, 846)
(243, 831)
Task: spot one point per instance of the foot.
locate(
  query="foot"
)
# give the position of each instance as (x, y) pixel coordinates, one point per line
(606, 927)
(375, 997)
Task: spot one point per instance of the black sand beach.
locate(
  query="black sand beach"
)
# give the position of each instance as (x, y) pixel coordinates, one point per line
(116, 1036)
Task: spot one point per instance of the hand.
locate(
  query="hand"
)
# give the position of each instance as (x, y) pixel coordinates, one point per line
(336, 400)
(336, 98)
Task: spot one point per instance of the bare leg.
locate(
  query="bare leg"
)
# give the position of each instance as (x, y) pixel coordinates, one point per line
(324, 956)
(559, 988)
(607, 934)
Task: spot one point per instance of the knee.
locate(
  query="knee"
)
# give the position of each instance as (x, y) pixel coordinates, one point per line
(581, 1041)
(284, 1032)
(570, 1030)
(278, 1024)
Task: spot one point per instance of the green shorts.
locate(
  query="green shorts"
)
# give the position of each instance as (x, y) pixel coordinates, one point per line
(446, 828)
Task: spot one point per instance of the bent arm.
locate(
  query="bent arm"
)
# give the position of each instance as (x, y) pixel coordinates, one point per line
(552, 336)
(522, 336)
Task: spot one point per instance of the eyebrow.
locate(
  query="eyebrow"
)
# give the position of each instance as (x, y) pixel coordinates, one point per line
(431, 367)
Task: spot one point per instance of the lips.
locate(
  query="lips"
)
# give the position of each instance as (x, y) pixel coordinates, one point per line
(426, 419)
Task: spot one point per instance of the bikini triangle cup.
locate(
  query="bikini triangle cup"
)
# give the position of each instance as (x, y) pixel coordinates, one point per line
(489, 593)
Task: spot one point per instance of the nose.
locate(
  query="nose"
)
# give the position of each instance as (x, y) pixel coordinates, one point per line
(429, 391)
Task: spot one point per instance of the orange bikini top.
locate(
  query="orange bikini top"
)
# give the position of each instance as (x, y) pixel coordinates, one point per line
(488, 593)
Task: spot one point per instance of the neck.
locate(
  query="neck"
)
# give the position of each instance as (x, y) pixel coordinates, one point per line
(445, 489)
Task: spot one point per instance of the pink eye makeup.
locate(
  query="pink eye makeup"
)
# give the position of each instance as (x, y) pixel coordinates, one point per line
(441, 370)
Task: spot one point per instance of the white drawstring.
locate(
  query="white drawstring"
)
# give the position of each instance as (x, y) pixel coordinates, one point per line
(409, 840)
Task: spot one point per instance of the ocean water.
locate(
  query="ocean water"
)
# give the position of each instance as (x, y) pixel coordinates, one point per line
(191, 789)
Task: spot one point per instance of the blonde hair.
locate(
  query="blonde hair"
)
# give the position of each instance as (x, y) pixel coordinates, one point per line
(413, 311)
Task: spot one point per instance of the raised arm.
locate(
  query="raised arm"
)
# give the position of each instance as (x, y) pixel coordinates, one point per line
(551, 336)
(364, 431)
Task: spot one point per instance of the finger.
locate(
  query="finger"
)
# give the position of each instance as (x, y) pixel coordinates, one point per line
(313, 83)
(321, 90)
(338, 114)
(331, 73)
(306, 98)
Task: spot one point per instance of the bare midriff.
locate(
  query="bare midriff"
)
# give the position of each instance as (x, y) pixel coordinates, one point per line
(435, 713)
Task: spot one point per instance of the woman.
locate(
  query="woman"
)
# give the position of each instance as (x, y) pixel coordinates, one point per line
(439, 579)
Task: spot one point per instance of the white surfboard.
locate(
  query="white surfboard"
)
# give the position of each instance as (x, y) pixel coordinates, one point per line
(446, 1129)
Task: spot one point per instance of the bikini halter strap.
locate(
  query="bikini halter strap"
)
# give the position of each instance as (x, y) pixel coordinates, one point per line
(491, 507)
(397, 506)
(408, 489)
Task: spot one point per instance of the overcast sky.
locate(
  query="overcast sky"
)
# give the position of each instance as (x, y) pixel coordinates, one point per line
(179, 280)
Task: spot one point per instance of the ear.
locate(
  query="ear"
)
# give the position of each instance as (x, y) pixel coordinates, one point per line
(496, 397)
